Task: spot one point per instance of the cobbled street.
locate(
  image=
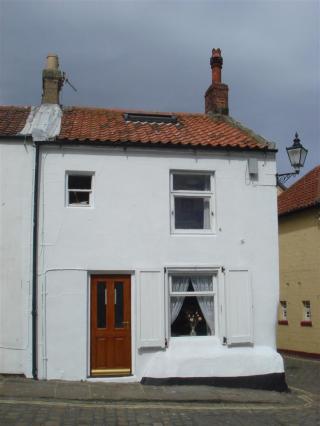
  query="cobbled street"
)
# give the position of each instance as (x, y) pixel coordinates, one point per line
(303, 377)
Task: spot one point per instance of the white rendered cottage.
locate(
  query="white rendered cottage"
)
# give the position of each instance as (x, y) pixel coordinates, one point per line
(137, 246)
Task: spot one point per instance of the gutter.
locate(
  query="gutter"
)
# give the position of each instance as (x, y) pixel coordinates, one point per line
(14, 137)
(158, 145)
(35, 265)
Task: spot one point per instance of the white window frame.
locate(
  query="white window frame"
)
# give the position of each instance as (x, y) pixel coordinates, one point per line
(306, 310)
(284, 310)
(192, 194)
(67, 190)
(195, 272)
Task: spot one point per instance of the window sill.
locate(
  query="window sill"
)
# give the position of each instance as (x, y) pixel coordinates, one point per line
(283, 322)
(212, 336)
(79, 206)
(184, 341)
(192, 232)
(306, 323)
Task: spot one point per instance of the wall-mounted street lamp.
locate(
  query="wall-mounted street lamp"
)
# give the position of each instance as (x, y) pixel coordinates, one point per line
(297, 156)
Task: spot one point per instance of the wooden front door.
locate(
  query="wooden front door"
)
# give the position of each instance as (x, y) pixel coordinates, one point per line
(110, 325)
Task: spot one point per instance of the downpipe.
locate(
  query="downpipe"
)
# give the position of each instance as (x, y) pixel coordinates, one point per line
(35, 265)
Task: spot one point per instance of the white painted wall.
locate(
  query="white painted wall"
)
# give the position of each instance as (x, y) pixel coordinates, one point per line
(16, 203)
(65, 308)
(128, 229)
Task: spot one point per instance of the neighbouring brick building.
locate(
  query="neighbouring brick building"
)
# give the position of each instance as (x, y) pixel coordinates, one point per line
(299, 245)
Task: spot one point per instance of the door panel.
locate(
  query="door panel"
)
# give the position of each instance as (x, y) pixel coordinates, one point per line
(110, 325)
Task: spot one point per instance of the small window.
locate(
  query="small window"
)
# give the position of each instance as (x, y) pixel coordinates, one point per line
(283, 313)
(192, 299)
(79, 189)
(306, 310)
(191, 202)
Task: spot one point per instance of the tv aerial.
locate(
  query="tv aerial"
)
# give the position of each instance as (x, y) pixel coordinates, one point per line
(65, 79)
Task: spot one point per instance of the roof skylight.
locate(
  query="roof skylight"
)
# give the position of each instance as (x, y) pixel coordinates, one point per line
(151, 118)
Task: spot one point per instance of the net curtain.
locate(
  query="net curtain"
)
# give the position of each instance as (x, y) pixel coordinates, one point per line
(199, 284)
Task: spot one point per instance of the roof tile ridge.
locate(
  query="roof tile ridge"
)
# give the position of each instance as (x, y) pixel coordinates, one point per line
(130, 110)
(184, 113)
(249, 132)
(15, 106)
(89, 108)
(195, 114)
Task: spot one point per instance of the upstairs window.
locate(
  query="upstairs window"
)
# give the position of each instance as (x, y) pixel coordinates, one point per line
(283, 317)
(79, 189)
(191, 202)
(283, 310)
(306, 310)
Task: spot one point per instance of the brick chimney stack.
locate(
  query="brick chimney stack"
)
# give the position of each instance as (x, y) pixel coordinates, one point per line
(52, 81)
(216, 96)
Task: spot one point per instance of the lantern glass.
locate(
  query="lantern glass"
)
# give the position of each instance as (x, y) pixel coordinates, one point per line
(294, 157)
(297, 155)
(303, 156)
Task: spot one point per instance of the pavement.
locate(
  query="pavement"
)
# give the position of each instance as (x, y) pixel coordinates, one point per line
(110, 393)
(101, 394)
(28, 402)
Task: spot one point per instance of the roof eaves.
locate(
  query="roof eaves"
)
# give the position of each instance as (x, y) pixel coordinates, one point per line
(160, 144)
(16, 136)
(314, 204)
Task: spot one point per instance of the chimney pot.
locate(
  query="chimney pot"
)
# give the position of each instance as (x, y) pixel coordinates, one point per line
(216, 97)
(52, 62)
(216, 62)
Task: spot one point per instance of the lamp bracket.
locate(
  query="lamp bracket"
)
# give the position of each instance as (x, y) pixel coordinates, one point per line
(283, 177)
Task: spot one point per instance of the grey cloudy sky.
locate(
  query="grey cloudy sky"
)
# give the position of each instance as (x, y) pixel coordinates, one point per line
(154, 55)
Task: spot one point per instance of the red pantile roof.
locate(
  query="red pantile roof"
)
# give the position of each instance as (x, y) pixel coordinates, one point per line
(12, 119)
(104, 125)
(302, 194)
(82, 124)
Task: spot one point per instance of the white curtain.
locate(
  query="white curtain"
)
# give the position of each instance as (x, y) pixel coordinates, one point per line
(204, 283)
(179, 284)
